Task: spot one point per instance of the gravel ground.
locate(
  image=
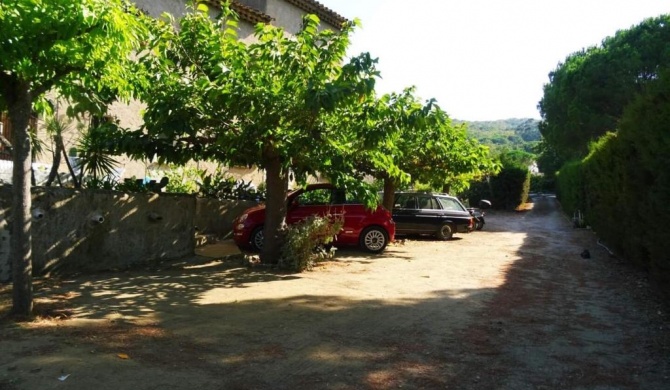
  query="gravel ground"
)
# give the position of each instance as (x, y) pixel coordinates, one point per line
(514, 306)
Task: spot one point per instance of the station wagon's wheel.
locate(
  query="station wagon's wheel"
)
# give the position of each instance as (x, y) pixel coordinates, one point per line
(445, 232)
(374, 239)
(257, 239)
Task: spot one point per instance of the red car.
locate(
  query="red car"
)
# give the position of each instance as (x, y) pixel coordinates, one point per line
(372, 230)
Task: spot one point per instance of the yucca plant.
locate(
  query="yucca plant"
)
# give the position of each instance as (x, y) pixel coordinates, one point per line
(55, 128)
(93, 152)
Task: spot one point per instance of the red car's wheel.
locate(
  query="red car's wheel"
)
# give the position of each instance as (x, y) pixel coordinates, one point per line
(257, 239)
(374, 239)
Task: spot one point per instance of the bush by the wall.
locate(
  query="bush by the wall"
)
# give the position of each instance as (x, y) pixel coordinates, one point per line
(306, 242)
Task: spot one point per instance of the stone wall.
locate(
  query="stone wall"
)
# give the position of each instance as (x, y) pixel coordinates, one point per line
(215, 217)
(96, 230)
(101, 230)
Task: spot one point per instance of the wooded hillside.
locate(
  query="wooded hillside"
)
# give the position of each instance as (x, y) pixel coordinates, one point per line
(512, 134)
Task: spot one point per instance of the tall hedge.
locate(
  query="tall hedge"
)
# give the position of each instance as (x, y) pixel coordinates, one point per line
(611, 207)
(507, 190)
(645, 140)
(570, 188)
(623, 185)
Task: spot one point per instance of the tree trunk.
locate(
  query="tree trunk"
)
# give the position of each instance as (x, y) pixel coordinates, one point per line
(5, 142)
(58, 140)
(33, 179)
(389, 193)
(75, 181)
(446, 188)
(20, 230)
(275, 211)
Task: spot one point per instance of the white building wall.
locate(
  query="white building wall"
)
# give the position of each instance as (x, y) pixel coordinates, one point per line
(156, 8)
(289, 16)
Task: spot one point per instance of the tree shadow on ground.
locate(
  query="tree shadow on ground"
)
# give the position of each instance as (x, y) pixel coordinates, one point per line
(164, 321)
(569, 314)
(353, 254)
(557, 321)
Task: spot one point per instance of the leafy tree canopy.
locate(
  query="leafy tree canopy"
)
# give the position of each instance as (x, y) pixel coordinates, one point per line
(266, 104)
(78, 48)
(213, 97)
(588, 92)
(416, 142)
(516, 159)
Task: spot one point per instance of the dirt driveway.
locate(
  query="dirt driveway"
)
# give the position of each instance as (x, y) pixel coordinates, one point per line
(512, 307)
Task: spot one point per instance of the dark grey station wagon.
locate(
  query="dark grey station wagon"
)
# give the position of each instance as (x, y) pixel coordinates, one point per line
(440, 215)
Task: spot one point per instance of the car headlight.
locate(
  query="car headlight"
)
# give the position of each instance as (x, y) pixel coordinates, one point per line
(243, 218)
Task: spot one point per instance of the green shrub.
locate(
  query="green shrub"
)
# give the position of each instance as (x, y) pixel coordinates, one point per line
(181, 180)
(306, 242)
(220, 185)
(570, 187)
(132, 185)
(510, 188)
(507, 190)
(605, 191)
(422, 187)
(478, 190)
(644, 154)
(542, 183)
(106, 183)
(623, 185)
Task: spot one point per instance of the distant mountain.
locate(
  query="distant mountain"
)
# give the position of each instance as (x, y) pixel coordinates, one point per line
(515, 133)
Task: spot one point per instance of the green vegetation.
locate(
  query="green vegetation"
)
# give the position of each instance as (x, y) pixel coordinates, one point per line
(605, 117)
(514, 144)
(78, 48)
(506, 134)
(182, 180)
(290, 105)
(266, 104)
(306, 242)
(588, 93)
(421, 146)
(294, 108)
(509, 188)
(55, 128)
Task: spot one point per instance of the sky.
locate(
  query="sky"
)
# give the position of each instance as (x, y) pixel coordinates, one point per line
(483, 59)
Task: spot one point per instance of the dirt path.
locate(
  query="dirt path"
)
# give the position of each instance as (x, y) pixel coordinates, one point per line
(510, 307)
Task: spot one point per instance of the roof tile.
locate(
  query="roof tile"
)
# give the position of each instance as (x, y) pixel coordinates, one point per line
(254, 15)
(324, 13)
